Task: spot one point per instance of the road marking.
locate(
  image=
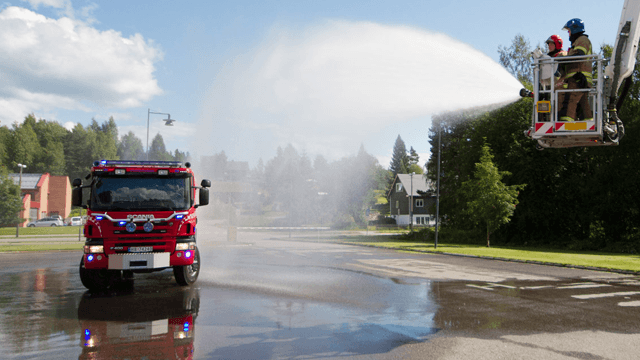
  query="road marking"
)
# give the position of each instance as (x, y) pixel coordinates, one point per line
(504, 286)
(629, 303)
(605, 295)
(583, 286)
(480, 287)
(536, 287)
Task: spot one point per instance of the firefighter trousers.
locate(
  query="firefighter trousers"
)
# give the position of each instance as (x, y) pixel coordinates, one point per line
(571, 102)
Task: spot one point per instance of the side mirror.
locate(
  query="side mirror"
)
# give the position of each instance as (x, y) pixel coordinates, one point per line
(205, 183)
(76, 182)
(76, 195)
(204, 197)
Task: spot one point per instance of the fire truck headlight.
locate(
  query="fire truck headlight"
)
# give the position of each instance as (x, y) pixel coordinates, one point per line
(93, 249)
(182, 335)
(148, 226)
(186, 246)
(131, 226)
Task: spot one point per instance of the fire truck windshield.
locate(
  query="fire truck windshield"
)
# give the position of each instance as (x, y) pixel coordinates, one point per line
(110, 193)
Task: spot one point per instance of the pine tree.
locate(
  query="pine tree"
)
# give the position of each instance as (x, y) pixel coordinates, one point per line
(400, 160)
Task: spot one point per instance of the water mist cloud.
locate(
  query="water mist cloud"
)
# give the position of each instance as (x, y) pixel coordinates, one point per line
(327, 88)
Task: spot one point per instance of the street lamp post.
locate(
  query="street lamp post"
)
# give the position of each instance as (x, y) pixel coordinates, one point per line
(21, 166)
(438, 185)
(411, 204)
(168, 122)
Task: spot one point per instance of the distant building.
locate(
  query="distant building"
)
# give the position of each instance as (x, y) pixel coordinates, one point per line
(403, 191)
(43, 195)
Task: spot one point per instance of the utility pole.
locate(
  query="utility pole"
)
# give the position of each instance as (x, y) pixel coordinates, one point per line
(21, 166)
(438, 185)
(411, 204)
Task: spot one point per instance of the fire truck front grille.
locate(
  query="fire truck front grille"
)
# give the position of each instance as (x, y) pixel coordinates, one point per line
(141, 244)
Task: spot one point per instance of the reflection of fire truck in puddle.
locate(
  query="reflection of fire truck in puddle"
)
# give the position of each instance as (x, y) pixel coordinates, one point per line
(141, 218)
(132, 327)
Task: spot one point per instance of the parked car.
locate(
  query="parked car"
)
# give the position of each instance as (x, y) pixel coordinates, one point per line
(48, 221)
(75, 221)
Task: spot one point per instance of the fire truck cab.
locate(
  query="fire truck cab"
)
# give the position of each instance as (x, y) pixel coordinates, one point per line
(141, 217)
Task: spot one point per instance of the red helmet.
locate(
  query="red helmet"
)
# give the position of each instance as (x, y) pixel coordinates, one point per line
(557, 40)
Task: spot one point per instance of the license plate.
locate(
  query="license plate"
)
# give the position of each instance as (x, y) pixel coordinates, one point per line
(141, 249)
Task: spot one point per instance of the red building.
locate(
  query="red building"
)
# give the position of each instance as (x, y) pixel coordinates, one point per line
(43, 195)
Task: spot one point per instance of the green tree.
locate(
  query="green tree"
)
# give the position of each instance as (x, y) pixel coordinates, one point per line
(77, 151)
(491, 202)
(517, 58)
(24, 143)
(103, 140)
(130, 147)
(158, 151)
(399, 159)
(51, 158)
(5, 140)
(10, 203)
(414, 159)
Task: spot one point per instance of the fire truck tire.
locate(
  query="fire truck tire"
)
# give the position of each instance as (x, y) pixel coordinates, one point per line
(95, 279)
(188, 274)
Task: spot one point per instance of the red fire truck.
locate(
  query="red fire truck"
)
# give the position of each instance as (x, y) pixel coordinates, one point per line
(141, 218)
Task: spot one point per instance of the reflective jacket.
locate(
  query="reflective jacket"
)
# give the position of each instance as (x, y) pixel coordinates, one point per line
(580, 46)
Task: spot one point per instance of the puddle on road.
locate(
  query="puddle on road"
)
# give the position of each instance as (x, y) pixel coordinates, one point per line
(47, 314)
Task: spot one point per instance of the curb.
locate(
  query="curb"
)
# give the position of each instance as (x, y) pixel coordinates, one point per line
(534, 262)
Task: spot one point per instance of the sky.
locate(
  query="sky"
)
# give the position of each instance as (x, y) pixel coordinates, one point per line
(247, 77)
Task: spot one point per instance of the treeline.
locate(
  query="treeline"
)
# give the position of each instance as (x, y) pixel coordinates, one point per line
(46, 146)
(295, 190)
(585, 198)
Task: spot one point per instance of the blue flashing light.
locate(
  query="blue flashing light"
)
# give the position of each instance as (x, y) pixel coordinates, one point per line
(187, 254)
(98, 217)
(103, 162)
(186, 327)
(90, 258)
(87, 334)
(122, 223)
(179, 216)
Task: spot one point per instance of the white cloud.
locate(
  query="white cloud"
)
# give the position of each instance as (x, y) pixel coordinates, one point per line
(52, 3)
(64, 63)
(330, 87)
(69, 125)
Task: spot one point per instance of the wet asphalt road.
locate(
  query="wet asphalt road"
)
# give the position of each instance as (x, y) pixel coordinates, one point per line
(268, 296)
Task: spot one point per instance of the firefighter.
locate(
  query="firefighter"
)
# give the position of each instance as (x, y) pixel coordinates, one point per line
(577, 74)
(554, 44)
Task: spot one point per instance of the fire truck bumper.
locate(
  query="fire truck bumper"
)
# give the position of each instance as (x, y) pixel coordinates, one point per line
(138, 260)
(181, 258)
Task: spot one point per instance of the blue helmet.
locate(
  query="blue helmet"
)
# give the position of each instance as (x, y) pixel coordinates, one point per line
(574, 26)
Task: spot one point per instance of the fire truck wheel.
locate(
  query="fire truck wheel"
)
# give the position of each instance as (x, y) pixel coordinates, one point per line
(188, 274)
(94, 279)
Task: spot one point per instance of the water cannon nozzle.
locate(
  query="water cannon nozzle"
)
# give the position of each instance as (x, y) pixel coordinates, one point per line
(526, 93)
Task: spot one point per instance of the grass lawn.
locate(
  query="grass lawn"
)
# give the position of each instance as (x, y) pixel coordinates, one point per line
(588, 259)
(40, 247)
(54, 230)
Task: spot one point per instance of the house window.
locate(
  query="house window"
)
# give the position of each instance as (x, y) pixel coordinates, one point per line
(398, 187)
(419, 202)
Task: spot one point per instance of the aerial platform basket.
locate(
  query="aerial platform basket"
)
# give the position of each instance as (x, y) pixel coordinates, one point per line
(602, 129)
